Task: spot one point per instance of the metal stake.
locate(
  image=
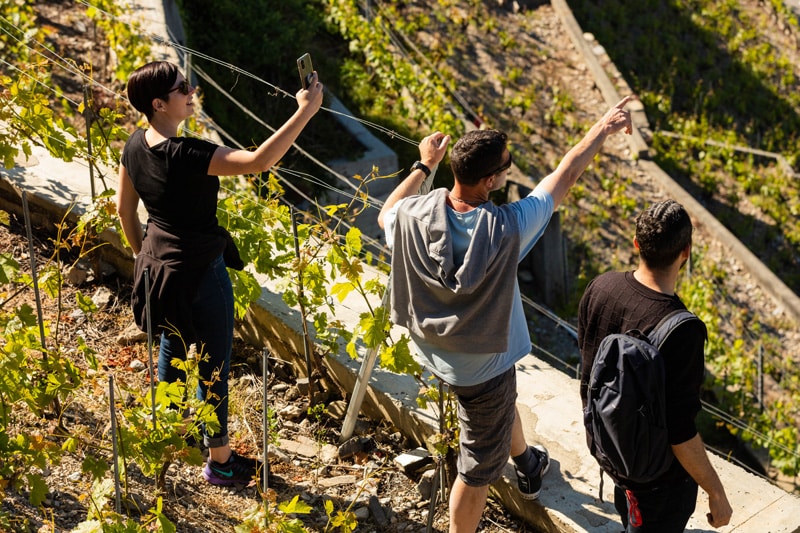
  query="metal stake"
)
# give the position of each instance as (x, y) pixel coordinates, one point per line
(150, 343)
(265, 438)
(87, 115)
(306, 338)
(760, 382)
(34, 277)
(112, 402)
(32, 253)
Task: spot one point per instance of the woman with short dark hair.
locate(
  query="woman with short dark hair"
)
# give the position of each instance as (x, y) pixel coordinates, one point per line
(183, 249)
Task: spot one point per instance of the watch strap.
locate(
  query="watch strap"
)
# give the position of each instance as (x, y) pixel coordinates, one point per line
(421, 166)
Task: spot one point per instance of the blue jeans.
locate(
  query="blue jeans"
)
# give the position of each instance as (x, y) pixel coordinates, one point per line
(212, 317)
(663, 509)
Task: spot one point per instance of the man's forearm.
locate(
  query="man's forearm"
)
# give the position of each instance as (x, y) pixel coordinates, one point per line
(574, 163)
(578, 158)
(692, 455)
(431, 151)
(408, 187)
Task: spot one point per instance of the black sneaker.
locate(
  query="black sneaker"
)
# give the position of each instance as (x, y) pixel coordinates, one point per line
(531, 483)
(237, 470)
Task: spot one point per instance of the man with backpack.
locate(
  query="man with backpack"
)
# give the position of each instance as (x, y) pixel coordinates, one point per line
(653, 494)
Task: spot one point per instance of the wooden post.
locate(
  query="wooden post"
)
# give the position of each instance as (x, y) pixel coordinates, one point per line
(547, 263)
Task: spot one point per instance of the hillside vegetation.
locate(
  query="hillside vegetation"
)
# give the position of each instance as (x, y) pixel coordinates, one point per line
(726, 72)
(412, 67)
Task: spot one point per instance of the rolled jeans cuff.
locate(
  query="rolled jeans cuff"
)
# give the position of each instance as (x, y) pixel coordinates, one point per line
(215, 441)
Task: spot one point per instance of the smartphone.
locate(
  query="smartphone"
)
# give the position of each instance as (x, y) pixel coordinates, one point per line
(305, 68)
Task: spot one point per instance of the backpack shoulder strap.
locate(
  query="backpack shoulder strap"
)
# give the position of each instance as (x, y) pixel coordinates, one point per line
(668, 324)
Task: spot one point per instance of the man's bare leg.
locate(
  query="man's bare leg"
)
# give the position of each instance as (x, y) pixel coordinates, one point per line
(466, 506)
(518, 444)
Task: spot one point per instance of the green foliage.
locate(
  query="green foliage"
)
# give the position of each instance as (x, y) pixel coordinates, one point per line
(25, 107)
(9, 268)
(733, 375)
(710, 76)
(380, 65)
(32, 379)
(152, 446)
(103, 519)
(33, 106)
(21, 15)
(126, 39)
(286, 30)
(271, 517)
(342, 521)
(444, 443)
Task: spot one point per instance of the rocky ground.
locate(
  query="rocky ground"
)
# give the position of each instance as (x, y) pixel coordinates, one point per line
(307, 462)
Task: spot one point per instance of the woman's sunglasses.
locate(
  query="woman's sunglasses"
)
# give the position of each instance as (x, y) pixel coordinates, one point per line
(184, 87)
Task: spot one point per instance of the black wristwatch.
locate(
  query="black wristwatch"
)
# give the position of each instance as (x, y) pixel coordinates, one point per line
(419, 165)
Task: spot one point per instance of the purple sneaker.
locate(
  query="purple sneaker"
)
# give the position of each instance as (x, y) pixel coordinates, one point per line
(237, 470)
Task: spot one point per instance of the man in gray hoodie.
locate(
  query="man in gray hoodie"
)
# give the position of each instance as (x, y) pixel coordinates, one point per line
(454, 286)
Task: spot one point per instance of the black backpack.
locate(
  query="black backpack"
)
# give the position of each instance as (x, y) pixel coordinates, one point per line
(625, 413)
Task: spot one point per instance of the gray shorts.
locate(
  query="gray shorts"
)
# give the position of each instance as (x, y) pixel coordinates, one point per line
(486, 413)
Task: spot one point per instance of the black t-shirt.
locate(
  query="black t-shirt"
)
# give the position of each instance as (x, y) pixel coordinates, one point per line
(615, 302)
(172, 180)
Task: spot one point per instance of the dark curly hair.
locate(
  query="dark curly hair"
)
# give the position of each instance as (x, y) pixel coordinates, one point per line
(477, 154)
(663, 231)
(151, 81)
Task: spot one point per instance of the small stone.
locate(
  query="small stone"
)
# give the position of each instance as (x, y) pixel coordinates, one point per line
(378, 514)
(302, 385)
(292, 412)
(299, 448)
(131, 334)
(336, 481)
(137, 365)
(350, 447)
(328, 454)
(76, 276)
(337, 410)
(102, 298)
(278, 454)
(279, 387)
(413, 461)
(425, 484)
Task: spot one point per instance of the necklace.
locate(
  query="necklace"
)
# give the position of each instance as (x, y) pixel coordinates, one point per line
(472, 203)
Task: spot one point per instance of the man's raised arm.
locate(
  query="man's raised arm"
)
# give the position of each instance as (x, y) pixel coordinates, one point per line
(578, 158)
